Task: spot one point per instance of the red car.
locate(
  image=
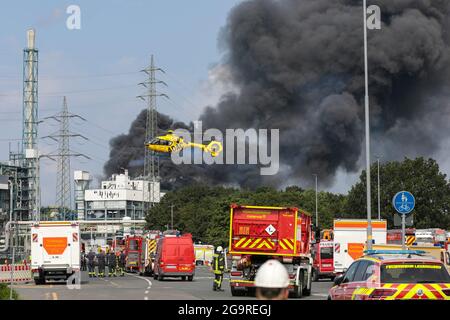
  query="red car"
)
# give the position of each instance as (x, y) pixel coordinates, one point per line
(393, 275)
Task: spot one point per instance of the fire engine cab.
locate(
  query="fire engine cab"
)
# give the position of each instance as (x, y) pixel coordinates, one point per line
(322, 253)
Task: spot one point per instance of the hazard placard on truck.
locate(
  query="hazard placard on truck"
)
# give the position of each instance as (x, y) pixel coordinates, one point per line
(264, 230)
(55, 250)
(261, 233)
(350, 236)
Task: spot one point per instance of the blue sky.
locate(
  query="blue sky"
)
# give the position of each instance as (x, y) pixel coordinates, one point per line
(116, 37)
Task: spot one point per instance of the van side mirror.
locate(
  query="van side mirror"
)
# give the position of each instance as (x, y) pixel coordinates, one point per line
(338, 280)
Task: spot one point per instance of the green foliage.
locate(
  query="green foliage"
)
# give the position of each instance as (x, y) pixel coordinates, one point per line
(4, 293)
(419, 176)
(205, 211)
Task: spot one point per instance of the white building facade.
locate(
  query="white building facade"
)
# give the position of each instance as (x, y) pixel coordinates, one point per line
(121, 197)
(118, 205)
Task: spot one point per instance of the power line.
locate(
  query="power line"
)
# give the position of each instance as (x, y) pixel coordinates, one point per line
(76, 76)
(63, 182)
(61, 93)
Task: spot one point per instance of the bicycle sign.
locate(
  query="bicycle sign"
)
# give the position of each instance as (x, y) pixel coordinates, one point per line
(403, 202)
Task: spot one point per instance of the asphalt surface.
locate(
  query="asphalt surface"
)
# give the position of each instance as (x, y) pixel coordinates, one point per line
(135, 287)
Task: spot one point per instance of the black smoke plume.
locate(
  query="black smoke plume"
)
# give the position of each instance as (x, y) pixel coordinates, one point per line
(298, 67)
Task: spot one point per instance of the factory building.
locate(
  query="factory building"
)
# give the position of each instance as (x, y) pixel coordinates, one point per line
(14, 181)
(119, 204)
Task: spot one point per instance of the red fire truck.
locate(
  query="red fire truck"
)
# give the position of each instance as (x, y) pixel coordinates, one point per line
(394, 236)
(133, 251)
(323, 266)
(118, 244)
(258, 234)
(148, 253)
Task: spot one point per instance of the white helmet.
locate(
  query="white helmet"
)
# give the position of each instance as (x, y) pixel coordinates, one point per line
(272, 274)
(219, 249)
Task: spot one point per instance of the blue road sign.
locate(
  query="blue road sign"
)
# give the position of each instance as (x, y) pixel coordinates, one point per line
(403, 202)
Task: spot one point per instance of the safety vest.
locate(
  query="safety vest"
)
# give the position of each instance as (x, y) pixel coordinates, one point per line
(218, 263)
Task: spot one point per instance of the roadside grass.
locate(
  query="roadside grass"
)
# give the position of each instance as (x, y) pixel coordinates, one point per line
(4, 293)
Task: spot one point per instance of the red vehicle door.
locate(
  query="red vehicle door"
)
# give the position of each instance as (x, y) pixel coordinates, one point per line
(187, 255)
(358, 281)
(326, 257)
(344, 290)
(169, 256)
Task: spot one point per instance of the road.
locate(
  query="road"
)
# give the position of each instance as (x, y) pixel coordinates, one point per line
(134, 287)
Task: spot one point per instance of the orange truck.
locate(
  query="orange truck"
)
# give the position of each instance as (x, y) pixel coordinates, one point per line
(258, 234)
(55, 250)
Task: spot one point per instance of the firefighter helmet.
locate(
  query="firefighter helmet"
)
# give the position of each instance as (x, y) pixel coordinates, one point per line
(272, 274)
(219, 249)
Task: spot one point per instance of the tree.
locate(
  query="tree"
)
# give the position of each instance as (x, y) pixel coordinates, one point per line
(205, 211)
(419, 176)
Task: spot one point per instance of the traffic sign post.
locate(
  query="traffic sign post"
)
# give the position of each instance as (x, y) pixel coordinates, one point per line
(404, 203)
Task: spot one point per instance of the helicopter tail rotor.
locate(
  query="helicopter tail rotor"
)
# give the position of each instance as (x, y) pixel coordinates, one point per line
(214, 147)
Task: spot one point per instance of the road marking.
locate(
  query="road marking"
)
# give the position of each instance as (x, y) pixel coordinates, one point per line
(114, 284)
(146, 292)
(47, 296)
(320, 294)
(145, 298)
(148, 281)
(54, 296)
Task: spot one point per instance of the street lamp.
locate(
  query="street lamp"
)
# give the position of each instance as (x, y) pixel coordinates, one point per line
(378, 188)
(367, 130)
(317, 215)
(171, 216)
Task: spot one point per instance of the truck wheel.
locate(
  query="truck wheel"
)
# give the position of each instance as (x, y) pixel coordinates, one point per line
(298, 290)
(315, 275)
(160, 278)
(183, 278)
(234, 292)
(306, 291)
(190, 278)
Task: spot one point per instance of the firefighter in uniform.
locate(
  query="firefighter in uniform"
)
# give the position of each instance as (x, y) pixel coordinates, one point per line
(101, 264)
(91, 263)
(111, 264)
(218, 268)
(83, 261)
(121, 261)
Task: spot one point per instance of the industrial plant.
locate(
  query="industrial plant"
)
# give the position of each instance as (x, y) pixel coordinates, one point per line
(115, 208)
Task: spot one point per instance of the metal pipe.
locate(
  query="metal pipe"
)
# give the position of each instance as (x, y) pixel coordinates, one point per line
(12, 266)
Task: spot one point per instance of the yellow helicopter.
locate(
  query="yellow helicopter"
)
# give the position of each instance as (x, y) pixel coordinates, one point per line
(170, 142)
